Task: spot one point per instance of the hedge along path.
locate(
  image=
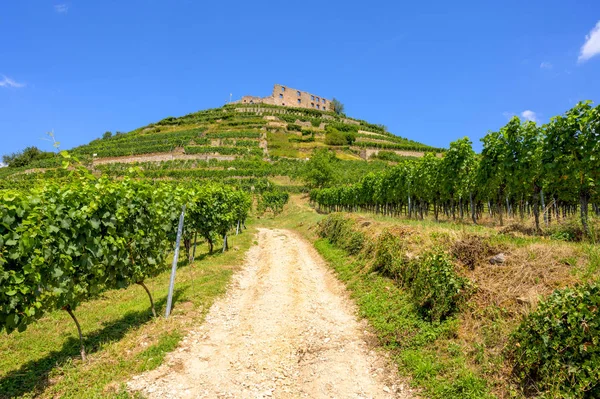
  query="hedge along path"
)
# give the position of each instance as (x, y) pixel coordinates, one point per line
(286, 329)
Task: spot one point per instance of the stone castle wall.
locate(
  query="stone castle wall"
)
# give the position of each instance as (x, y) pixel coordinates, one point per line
(290, 97)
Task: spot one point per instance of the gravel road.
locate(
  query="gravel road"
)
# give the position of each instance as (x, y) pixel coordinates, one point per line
(285, 329)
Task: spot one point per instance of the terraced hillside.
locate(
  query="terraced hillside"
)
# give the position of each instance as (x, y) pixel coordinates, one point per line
(236, 141)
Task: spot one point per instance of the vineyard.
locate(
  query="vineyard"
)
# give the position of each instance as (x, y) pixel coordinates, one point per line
(466, 265)
(524, 170)
(64, 244)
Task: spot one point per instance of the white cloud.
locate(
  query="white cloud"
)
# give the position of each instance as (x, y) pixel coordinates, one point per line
(530, 116)
(2, 165)
(546, 65)
(8, 82)
(591, 47)
(61, 8)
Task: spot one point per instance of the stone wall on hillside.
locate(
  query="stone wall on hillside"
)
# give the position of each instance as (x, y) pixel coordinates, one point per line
(289, 97)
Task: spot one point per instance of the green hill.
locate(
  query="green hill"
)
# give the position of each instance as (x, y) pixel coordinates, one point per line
(259, 130)
(237, 141)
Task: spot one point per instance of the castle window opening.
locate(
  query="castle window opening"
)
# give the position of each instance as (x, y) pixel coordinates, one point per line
(312, 98)
(298, 92)
(318, 106)
(281, 95)
(312, 105)
(318, 99)
(299, 101)
(283, 89)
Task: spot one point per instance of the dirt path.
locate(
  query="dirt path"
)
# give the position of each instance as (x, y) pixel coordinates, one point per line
(285, 330)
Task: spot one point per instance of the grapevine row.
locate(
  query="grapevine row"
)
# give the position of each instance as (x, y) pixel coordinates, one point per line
(523, 168)
(64, 243)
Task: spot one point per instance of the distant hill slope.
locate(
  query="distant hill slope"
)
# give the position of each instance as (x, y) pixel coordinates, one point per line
(238, 141)
(241, 130)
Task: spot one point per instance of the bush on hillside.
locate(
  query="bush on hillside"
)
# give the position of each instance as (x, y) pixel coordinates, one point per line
(273, 201)
(556, 349)
(293, 127)
(389, 256)
(389, 156)
(340, 231)
(436, 288)
(25, 157)
(334, 136)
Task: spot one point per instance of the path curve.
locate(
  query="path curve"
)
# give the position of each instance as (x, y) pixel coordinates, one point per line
(286, 329)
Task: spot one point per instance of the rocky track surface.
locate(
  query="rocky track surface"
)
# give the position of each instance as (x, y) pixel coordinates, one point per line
(286, 329)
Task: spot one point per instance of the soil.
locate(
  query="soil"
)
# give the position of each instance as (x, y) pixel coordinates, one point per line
(285, 329)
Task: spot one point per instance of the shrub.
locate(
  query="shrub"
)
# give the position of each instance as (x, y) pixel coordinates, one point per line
(556, 348)
(25, 157)
(389, 156)
(389, 255)
(435, 286)
(273, 200)
(340, 231)
(294, 127)
(334, 137)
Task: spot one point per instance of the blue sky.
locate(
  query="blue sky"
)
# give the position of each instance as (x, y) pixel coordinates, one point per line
(431, 71)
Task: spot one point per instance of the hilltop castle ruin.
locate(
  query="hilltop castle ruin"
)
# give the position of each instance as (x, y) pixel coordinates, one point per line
(288, 97)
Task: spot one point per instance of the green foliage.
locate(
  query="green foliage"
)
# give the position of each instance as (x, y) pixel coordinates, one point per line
(570, 154)
(235, 135)
(106, 135)
(140, 143)
(63, 243)
(339, 230)
(407, 145)
(241, 150)
(26, 157)
(335, 136)
(273, 201)
(319, 169)
(418, 345)
(388, 258)
(521, 167)
(388, 156)
(556, 349)
(337, 106)
(436, 288)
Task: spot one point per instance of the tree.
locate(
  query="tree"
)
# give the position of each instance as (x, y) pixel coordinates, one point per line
(335, 136)
(338, 107)
(107, 135)
(319, 171)
(25, 157)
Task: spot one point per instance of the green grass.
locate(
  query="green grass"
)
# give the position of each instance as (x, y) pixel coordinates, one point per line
(420, 348)
(121, 337)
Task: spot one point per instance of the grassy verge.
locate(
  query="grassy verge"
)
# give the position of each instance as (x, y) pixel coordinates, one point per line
(121, 337)
(420, 348)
